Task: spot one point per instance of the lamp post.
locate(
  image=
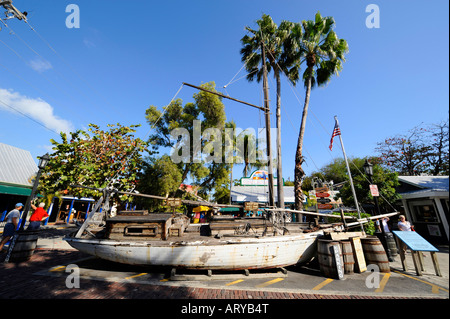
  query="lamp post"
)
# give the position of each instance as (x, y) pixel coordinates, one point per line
(43, 161)
(368, 169)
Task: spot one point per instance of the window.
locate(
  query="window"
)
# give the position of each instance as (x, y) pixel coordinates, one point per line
(424, 211)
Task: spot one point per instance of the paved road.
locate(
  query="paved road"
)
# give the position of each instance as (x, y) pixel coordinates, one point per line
(48, 275)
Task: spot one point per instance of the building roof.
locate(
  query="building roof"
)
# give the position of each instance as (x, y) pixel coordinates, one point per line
(424, 186)
(427, 182)
(17, 166)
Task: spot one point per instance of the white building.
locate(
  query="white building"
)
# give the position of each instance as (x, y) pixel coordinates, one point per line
(426, 203)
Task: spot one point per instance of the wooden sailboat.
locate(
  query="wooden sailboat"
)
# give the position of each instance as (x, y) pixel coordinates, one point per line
(142, 238)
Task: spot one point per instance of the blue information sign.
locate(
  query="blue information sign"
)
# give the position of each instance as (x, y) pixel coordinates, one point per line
(414, 241)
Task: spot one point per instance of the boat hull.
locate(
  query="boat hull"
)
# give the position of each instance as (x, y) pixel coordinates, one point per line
(252, 253)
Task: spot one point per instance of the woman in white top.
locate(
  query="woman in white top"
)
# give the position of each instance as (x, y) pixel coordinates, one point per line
(403, 225)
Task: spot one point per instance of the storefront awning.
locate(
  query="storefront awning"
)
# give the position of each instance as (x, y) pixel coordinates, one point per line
(15, 190)
(201, 209)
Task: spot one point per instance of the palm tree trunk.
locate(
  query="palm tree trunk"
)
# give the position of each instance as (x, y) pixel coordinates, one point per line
(280, 189)
(299, 173)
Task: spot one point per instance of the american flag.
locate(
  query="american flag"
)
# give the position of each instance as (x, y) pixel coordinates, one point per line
(336, 132)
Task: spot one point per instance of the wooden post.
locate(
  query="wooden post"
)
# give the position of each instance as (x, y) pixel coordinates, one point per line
(420, 255)
(435, 263)
(343, 219)
(416, 263)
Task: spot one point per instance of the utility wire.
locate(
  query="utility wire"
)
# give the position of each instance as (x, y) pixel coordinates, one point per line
(29, 117)
(70, 67)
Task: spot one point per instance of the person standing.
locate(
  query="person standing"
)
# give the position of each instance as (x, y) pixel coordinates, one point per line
(12, 221)
(404, 225)
(37, 217)
(384, 222)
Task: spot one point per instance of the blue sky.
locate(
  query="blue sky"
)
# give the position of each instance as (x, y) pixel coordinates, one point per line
(128, 55)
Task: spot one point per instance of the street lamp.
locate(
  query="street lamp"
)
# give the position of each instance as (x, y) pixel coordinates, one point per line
(43, 161)
(368, 169)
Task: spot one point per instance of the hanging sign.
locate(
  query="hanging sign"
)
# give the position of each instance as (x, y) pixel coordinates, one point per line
(374, 190)
(253, 206)
(325, 206)
(322, 194)
(173, 202)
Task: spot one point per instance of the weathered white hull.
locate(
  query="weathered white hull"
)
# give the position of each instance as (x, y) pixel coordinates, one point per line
(242, 253)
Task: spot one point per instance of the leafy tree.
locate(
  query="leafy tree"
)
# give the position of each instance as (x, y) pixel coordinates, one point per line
(202, 161)
(316, 44)
(422, 150)
(96, 158)
(273, 38)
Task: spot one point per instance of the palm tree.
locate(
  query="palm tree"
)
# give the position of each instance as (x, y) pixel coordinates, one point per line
(273, 38)
(315, 43)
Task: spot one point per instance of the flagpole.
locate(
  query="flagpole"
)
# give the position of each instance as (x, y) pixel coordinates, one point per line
(348, 171)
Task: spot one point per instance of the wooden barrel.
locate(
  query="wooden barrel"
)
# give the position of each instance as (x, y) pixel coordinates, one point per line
(347, 256)
(392, 245)
(24, 247)
(374, 253)
(327, 262)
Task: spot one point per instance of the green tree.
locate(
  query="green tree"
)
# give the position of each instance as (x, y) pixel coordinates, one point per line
(385, 179)
(194, 134)
(278, 60)
(96, 158)
(316, 44)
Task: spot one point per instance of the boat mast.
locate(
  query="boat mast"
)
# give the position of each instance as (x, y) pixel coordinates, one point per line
(267, 116)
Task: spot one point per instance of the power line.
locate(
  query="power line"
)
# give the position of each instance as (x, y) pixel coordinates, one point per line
(29, 117)
(80, 92)
(70, 67)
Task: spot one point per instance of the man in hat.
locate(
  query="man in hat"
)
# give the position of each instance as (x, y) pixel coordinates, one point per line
(12, 221)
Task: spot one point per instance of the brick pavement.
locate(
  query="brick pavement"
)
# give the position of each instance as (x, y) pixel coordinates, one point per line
(18, 280)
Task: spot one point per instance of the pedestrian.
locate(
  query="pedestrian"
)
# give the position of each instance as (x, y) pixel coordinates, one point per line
(384, 221)
(37, 217)
(12, 221)
(404, 225)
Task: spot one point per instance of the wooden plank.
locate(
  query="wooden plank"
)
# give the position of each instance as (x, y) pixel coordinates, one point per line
(339, 262)
(346, 235)
(360, 262)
